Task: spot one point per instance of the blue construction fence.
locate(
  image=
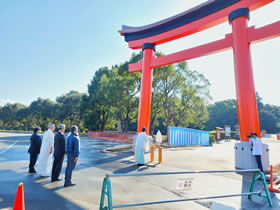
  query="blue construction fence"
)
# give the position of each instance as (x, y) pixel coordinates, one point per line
(187, 136)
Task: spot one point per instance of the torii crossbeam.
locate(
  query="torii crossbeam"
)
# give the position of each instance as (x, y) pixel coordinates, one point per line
(206, 15)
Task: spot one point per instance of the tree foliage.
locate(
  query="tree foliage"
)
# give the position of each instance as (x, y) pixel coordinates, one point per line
(41, 112)
(69, 109)
(180, 98)
(96, 107)
(222, 113)
(225, 113)
(112, 97)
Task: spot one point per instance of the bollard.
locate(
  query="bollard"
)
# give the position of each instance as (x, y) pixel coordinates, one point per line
(152, 153)
(270, 187)
(159, 154)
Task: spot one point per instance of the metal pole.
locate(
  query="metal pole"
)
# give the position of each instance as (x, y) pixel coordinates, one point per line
(185, 199)
(184, 172)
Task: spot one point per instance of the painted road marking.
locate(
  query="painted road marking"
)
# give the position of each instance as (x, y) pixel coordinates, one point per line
(9, 147)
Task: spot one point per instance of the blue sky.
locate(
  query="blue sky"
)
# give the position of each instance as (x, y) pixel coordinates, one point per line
(48, 48)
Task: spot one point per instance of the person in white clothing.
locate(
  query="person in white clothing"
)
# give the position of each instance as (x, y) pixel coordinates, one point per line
(257, 149)
(44, 163)
(141, 142)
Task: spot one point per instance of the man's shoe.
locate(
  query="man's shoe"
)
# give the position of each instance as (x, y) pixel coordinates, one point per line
(56, 180)
(32, 171)
(69, 185)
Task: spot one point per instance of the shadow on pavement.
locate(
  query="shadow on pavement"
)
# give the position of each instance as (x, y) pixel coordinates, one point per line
(36, 195)
(134, 167)
(128, 169)
(256, 202)
(215, 205)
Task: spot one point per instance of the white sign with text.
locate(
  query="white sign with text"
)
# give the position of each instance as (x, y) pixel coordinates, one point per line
(184, 184)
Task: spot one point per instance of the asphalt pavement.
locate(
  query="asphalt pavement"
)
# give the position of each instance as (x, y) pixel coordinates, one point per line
(99, 158)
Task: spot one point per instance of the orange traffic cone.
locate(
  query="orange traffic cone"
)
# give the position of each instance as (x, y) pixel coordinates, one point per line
(19, 201)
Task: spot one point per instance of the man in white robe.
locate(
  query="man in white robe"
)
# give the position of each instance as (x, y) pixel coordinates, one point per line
(141, 142)
(44, 163)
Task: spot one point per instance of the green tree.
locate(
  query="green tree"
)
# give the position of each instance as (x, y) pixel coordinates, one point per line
(69, 109)
(96, 107)
(25, 120)
(1, 124)
(225, 113)
(112, 97)
(1, 120)
(8, 115)
(181, 96)
(127, 87)
(269, 117)
(43, 111)
(278, 127)
(222, 113)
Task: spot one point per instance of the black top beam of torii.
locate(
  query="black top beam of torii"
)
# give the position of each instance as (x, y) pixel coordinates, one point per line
(186, 17)
(201, 17)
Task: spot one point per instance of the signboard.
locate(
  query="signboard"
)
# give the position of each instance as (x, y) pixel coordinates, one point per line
(227, 131)
(184, 184)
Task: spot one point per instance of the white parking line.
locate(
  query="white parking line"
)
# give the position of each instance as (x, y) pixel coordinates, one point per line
(9, 147)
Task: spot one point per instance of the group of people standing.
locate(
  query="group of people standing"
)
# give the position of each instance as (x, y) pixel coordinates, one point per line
(142, 141)
(54, 146)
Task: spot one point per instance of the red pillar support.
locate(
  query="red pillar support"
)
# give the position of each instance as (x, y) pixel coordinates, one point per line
(244, 81)
(146, 88)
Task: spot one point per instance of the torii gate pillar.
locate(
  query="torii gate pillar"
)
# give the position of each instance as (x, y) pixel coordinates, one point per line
(244, 81)
(245, 91)
(146, 88)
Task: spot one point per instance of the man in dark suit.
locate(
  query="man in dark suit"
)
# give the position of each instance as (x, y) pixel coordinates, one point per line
(59, 152)
(34, 149)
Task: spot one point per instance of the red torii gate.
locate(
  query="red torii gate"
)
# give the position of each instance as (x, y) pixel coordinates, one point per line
(206, 15)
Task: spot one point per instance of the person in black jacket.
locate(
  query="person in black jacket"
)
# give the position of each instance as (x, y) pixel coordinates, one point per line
(34, 149)
(59, 152)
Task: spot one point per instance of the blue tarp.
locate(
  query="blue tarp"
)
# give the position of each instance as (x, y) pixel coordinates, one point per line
(187, 136)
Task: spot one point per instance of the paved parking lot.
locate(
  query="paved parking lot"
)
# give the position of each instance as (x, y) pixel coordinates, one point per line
(93, 164)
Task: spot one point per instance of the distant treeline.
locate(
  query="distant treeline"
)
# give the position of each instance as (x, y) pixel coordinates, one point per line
(42, 112)
(225, 113)
(180, 97)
